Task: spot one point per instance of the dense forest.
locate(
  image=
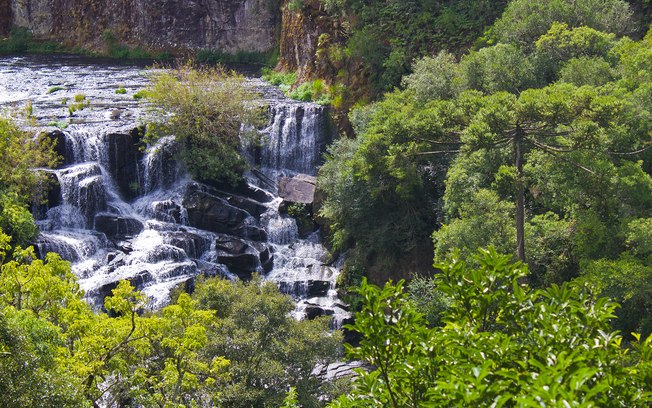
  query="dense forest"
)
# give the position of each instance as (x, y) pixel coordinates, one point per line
(489, 192)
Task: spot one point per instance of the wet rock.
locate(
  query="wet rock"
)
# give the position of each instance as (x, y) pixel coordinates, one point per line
(338, 370)
(317, 288)
(309, 289)
(53, 198)
(240, 257)
(253, 207)
(194, 245)
(211, 213)
(298, 189)
(138, 281)
(252, 232)
(313, 312)
(266, 258)
(168, 211)
(83, 188)
(123, 157)
(115, 225)
(226, 25)
(59, 139)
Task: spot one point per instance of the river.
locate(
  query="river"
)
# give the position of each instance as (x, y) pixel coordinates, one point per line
(121, 210)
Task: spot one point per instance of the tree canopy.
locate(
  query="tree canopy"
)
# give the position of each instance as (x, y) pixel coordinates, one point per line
(501, 343)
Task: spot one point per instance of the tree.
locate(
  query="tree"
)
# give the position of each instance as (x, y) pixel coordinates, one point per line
(267, 349)
(206, 109)
(524, 21)
(503, 344)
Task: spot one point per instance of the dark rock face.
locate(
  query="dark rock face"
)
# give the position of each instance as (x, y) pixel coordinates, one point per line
(123, 162)
(59, 139)
(313, 312)
(192, 244)
(227, 25)
(6, 17)
(312, 288)
(212, 213)
(240, 257)
(117, 226)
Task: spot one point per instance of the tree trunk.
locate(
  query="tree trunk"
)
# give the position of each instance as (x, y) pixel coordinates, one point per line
(520, 195)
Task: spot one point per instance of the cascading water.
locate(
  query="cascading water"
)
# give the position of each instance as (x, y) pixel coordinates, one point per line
(124, 213)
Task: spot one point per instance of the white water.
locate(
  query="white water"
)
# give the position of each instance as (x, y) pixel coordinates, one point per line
(156, 248)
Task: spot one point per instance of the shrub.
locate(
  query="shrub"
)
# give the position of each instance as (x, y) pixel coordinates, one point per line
(209, 107)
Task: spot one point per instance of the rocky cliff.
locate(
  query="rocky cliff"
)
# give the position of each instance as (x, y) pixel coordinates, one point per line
(226, 25)
(306, 34)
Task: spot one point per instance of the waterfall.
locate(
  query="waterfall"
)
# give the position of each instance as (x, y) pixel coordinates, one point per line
(125, 212)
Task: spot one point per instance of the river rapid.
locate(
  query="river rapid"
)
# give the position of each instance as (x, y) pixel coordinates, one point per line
(122, 210)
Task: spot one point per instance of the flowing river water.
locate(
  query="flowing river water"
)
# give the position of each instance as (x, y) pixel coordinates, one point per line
(121, 211)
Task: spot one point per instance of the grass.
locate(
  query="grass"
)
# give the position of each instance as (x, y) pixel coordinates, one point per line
(283, 80)
(121, 91)
(55, 89)
(61, 124)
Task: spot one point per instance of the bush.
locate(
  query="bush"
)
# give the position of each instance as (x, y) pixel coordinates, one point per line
(209, 107)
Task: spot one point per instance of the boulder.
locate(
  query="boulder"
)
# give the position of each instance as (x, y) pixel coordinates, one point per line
(167, 211)
(312, 312)
(298, 189)
(211, 213)
(239, 256)
(118, 226)
(193, 245)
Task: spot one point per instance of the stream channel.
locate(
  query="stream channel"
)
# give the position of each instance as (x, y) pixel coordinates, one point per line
(118, 211)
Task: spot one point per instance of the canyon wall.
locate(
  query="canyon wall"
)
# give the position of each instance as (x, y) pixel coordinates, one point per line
(226, 25)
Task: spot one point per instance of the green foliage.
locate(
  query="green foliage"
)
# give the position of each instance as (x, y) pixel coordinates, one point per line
(525, 21)
(433, 77)
(312, 91)
(55, 89)
(302, 213)
(382, 189)
(484, 219)
(283, 80)
(80, 103)
(232, 344)
(267, 349)
(503, 67)
(384, 38)
(121, 91)
(115, 49)
(61, 124)
(295, 5)
(502, 345)
(20, 40)
(586, 71)
(205, 109)
(290, 400)
(21, 153)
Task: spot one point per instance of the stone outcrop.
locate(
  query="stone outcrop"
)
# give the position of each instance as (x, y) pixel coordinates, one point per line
(117, 226)
(226, 25)
(304, 33)
(123, 161)
(299, 189)
(242, 258)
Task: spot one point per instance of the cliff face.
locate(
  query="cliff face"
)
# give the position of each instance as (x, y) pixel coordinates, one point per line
(304, 33)
(227, 25)
(6, 20)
